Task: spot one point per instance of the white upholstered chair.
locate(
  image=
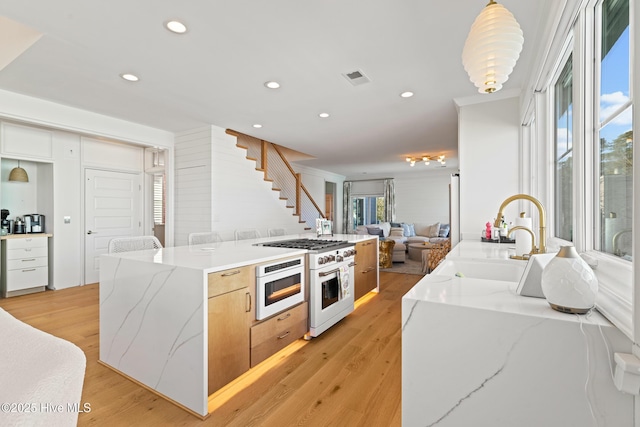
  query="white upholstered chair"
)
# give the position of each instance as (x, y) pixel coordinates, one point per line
(276, 232)
(247, 233)
(202, 238)
(133, 243)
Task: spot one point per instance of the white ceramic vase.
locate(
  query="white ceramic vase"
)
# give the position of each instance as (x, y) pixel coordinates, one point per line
(568, 283)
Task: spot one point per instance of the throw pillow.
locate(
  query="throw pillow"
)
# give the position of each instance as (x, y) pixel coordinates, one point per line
(422, 229)
(385, 227)
(395, 224)
(444, 230)
(434, 230)
(375, 231)
(412, 231)
(396, 232)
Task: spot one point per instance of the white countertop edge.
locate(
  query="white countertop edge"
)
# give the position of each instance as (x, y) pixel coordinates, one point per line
(491, 295)
(211, 258)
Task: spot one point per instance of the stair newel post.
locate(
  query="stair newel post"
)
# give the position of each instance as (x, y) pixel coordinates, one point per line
(263, 159)
(298, 188)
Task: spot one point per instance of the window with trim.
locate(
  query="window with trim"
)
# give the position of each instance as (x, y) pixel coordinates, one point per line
(367, 210)
(614, 131)
(599, 157)
(563, 176)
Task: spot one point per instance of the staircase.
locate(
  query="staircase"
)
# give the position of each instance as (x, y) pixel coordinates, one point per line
(277, 170)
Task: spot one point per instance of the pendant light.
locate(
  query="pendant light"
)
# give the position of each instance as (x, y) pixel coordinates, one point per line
(18, 174)
(492, 48)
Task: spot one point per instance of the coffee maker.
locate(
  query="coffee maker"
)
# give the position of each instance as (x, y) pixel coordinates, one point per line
(18, 226)
(34, 223)
(5, 224)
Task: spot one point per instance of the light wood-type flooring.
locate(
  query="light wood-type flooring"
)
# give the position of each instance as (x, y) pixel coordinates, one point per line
(348, 376)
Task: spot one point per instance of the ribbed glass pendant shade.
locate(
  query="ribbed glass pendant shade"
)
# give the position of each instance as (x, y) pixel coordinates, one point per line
(492, 48)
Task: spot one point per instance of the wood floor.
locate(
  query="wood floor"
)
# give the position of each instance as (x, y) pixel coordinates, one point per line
(348, 376)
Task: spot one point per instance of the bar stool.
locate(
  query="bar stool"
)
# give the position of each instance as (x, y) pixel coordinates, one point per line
(247, 233)
(206, 237)
(133, 243)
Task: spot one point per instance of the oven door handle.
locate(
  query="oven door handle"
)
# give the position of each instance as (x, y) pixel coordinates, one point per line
(327, 273)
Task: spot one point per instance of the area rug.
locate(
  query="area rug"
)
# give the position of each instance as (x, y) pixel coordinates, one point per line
(409, 266)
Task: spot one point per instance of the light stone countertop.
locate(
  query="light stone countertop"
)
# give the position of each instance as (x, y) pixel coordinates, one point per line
(485, 294)
(476, 353)
(222, 256)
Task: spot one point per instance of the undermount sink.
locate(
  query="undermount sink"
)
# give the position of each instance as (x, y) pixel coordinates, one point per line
(501, 270)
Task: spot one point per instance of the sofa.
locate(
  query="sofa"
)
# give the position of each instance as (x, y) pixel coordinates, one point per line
(405, 233)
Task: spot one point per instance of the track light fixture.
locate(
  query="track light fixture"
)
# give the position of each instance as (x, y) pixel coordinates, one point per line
(426, 159)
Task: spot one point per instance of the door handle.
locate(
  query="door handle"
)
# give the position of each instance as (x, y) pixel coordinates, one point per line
(92, 232)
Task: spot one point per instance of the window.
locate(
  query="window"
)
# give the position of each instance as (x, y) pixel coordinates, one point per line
(589, 106)
(614, 133)
(563, 115)
(368, 210)
(158, 199)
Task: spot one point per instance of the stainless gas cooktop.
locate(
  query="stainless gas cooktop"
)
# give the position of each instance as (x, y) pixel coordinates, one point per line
(314, 245)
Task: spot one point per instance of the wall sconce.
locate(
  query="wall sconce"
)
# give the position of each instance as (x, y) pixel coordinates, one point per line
(157, 162)
(426, 159)
(18, 174)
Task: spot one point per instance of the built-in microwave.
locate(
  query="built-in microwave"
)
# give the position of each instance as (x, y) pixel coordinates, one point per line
(279, 286)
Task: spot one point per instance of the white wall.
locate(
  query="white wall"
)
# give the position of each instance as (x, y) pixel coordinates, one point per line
(314, 180)
(27, 109)
(68, 239)
(423, 197)
(238, 196)
(193, 183)
(488, 135)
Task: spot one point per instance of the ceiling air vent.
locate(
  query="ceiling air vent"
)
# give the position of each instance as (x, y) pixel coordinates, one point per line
(356, 77)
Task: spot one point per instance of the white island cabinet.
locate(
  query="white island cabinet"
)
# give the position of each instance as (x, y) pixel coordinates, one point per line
(474, 352)
(155, 314)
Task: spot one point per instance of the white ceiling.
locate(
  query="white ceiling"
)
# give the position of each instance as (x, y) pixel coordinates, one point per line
(214, 73)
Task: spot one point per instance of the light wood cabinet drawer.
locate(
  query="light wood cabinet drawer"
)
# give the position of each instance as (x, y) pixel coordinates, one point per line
(27, 278)
(27, 242)
(16, 264)
(21, 253)
(279, 331)
(230, 280)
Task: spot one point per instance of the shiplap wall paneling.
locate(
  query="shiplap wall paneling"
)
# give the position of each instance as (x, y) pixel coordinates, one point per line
(192, 184)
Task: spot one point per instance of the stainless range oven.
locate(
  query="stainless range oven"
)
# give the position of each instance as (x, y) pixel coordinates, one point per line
(331, 279)
(331, 288)
(279, 286)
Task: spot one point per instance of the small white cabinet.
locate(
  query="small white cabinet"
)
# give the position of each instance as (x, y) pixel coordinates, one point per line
(25, 264)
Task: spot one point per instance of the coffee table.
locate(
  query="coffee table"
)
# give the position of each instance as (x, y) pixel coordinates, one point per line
(416, 249)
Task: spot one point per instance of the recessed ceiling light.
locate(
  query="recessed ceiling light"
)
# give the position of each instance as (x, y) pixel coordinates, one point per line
(324, 115)
(272, 85)
(257, 126)
(176, 27)
(406, 94)
(130, 77)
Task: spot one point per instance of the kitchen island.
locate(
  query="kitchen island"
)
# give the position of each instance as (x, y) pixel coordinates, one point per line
(155, 320)
(476, 353)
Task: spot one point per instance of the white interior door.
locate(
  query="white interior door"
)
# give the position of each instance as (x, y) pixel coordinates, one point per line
(113, 208)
